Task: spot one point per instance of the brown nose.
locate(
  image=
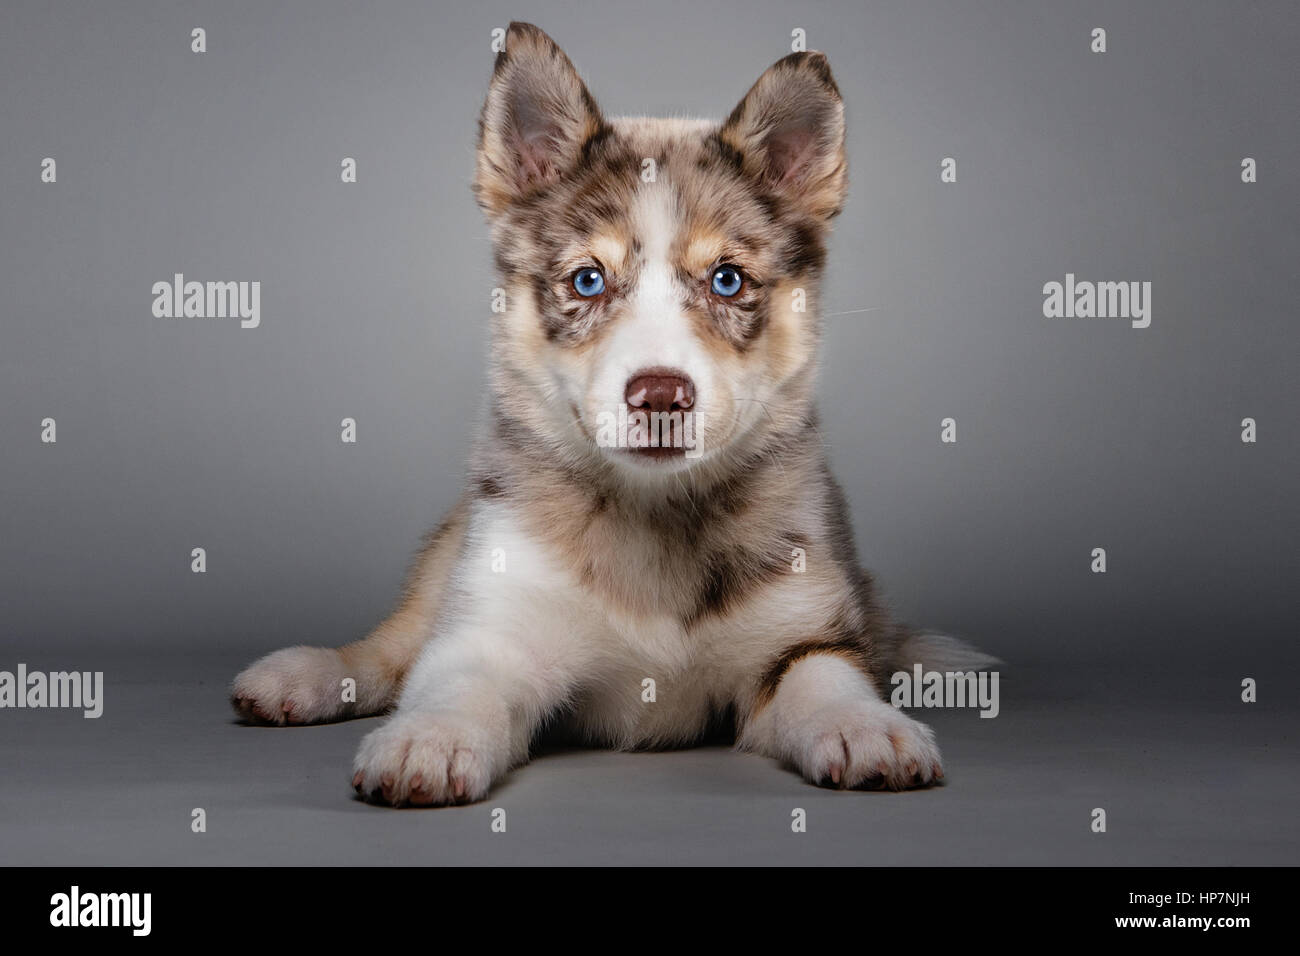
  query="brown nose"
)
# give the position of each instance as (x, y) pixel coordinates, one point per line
(660, 390)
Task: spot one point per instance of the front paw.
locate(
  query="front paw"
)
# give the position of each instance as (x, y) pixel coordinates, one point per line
(297, 685)
(422, 760)
(868, 745)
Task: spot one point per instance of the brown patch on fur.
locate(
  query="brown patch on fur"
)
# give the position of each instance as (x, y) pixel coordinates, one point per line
(489, 486)
(847, 648)
(731, 574)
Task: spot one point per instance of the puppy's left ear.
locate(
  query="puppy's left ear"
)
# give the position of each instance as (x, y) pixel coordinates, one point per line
(789, 131)
(537, 118)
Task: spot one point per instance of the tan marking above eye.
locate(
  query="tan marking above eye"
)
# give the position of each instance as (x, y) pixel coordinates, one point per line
(610, 250)
(702, 251)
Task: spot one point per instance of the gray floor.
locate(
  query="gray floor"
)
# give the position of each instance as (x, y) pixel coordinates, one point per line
(1186, 773)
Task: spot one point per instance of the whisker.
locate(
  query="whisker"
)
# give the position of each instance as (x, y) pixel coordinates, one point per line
(874, 308)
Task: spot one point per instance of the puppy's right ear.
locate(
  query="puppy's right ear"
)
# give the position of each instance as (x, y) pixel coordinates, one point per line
(537, 118)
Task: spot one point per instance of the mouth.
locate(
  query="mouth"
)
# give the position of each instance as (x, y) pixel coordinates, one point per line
(656, 455)
(627, 437)
(664, 444)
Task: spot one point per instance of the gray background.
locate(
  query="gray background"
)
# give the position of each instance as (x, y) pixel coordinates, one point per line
(1120, 690)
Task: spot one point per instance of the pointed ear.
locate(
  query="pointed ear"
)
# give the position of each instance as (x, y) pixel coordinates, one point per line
(789, 131)
(537, 117)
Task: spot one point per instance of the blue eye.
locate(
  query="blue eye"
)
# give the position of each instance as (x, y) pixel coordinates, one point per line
(727, 281)
(588, 282)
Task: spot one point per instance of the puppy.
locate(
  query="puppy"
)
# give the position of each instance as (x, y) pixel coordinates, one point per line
(650, 544)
